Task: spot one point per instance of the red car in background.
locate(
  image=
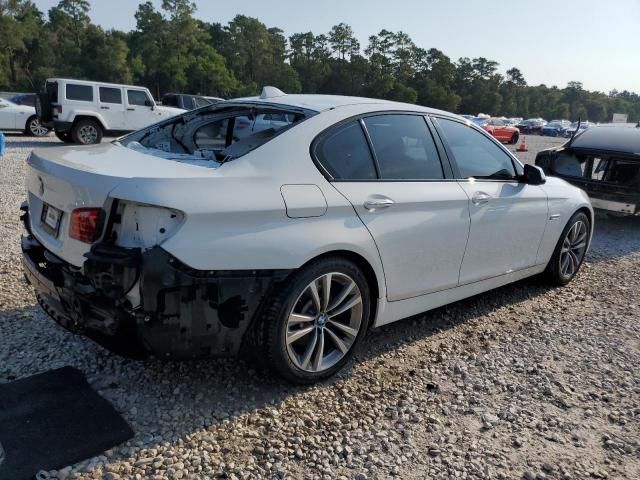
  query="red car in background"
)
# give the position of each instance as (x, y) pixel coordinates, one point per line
(499, 129)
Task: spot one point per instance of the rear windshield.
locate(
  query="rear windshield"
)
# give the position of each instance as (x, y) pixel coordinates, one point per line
(215, 134)
(52, 91)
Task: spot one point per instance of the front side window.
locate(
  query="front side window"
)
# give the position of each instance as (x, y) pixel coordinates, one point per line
(110, 95)
(137, 97)
(404, 147)
(345, 153)
(83, 93)
(475, 154)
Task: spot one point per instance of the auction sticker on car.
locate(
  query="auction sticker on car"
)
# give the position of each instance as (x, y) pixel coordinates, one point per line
(50, 219)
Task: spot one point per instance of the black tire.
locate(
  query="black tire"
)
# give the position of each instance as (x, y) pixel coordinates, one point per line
(514, 139)
(86, 131)
(291, 294)
(43, 108)
(554, 271)
(34, 128)
(64, 136)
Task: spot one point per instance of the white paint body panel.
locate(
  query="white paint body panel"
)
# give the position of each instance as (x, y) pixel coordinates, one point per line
(235, 217)
(14, 117)
(421, 237)
(505, 231)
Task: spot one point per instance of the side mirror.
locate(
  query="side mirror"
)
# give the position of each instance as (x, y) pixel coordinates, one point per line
(533, 175)
(149, 103)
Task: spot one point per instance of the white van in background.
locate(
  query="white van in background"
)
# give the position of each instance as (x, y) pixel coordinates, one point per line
(82, 112)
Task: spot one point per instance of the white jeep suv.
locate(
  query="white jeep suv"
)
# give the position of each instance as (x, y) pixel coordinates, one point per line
(341, 214)
(82, 112)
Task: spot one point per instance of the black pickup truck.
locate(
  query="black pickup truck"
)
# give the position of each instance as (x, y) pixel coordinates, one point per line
(605, 162)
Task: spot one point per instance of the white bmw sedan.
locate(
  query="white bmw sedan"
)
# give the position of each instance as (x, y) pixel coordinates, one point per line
(293, 238)
(20, 118)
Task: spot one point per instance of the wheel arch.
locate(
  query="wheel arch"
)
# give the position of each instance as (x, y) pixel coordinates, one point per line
(83, 116)
(26, 123)
(376, 285)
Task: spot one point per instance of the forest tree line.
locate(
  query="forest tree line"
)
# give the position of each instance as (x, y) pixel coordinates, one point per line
(172, 51)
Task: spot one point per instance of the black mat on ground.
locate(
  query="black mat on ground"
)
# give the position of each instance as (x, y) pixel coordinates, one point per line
(52, 420)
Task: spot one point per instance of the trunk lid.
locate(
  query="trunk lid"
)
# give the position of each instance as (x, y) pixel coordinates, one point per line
(67, 178)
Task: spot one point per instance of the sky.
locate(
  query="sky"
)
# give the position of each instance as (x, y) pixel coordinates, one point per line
(553, 42)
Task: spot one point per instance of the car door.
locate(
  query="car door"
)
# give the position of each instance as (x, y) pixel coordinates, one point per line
(508, 216)
(111, 105)
(139, 110)
(390, 168)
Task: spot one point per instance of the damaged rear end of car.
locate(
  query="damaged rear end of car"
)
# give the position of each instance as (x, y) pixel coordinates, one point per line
(97, 221)
(605, 163)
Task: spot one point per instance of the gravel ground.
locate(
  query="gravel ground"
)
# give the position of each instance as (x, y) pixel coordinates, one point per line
(522, 382)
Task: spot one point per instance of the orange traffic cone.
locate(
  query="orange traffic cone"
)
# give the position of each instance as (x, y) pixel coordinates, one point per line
(523, 145)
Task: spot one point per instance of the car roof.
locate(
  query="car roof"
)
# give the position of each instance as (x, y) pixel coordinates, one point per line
(320, 103)
(616, 139)
(91, 82)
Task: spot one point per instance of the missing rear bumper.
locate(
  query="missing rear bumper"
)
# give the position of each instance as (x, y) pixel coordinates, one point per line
(183, 313)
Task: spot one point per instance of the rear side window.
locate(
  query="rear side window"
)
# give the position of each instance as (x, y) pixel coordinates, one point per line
(345, 153)
(83, 93)
(110, 95)
(201, 102)
(137, 97)
(476, 155)
(404, 148)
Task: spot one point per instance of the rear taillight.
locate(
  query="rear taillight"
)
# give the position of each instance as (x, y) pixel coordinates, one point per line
(86, 224)
(58, 109)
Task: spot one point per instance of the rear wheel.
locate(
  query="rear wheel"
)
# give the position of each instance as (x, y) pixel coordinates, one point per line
(35, 128)
(570, 250)
(312, 326)
(86, 132)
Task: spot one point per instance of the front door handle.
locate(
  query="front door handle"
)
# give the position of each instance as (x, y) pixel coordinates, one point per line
(373, 204)
(105, 108)
(480, 198)
(131, 109)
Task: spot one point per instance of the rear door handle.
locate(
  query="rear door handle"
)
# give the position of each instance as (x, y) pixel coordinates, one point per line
(480, 198)
(131, 109)
(104, 108)
(373, 204)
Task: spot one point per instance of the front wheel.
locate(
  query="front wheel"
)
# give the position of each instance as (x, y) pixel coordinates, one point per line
(86, 132)
(514, 139)
(570, 251)
(312, 326)
(35, 128)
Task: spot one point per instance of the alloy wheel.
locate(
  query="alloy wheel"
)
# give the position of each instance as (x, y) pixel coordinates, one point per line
(36, 128)
(573, 249)
(324, 322)
(88, 134)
